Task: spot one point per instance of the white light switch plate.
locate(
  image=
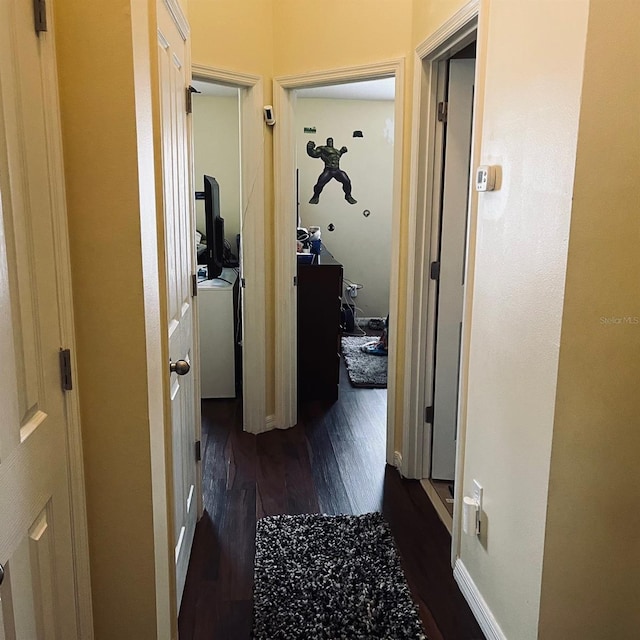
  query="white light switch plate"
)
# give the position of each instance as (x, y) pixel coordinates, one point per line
(477, 494)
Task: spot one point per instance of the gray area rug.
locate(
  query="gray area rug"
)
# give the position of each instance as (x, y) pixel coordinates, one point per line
(330, 577)
(364, 369)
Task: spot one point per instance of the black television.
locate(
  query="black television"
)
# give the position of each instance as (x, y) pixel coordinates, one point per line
(214, 228)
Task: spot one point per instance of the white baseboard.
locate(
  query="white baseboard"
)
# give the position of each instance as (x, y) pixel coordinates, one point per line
(269, 424)
(477, 604)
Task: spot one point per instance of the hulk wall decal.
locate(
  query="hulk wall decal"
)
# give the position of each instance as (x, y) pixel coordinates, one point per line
(332, 171)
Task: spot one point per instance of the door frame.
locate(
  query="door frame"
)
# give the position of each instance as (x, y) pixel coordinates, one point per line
(286, 387)
(425, 194)
(252, 227)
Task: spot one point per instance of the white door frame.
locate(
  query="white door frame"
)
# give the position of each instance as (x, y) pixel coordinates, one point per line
(252, 238)
(426, 172)
(286, 388)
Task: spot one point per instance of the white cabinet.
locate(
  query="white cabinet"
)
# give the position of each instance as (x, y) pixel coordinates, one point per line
(217, 336)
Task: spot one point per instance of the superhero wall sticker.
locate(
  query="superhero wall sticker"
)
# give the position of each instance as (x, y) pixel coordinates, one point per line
(332, 171)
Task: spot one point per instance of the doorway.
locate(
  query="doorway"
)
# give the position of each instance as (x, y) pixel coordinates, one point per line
(244, 188)
(217, 179)
(450, 47)
(447, 270)
(344, 226)
(286, 220)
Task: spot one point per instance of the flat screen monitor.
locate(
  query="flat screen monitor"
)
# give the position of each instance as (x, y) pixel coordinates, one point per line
(214, 228)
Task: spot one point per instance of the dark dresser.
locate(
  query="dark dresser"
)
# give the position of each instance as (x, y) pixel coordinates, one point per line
(319, 299)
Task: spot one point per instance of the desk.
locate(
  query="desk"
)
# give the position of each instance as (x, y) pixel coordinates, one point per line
(216, 317)
(319, 297)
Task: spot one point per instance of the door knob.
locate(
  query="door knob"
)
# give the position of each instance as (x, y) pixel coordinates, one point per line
(180, 367)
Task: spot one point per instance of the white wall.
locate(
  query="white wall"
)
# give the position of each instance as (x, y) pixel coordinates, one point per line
(531, 57)
(216, 142)
(362, 244)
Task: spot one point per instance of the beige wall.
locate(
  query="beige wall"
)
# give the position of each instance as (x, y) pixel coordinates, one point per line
(233, 34)
(311, 35)
(106, 123)
(591, 576)
(216, 151)
(362, 244)
(532, 81)
(428, 16)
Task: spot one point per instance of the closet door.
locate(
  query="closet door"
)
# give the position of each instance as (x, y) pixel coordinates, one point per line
(451, 280)
(38, 590)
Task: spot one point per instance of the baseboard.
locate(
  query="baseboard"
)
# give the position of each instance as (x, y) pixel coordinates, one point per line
(476, 603)
(268, 425)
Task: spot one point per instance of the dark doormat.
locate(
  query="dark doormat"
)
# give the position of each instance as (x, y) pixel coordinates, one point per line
(319, 577)
(364, 369)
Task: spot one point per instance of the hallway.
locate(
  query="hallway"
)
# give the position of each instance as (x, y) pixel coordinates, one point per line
(331, 462)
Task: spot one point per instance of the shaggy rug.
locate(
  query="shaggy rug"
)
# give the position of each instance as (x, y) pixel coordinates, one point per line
(330, 577)
(364, 369)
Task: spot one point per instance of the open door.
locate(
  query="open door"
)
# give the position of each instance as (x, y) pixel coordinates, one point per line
(449, 269)
(174, 75)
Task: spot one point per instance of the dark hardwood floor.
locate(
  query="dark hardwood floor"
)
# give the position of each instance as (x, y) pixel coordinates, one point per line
(332, 462)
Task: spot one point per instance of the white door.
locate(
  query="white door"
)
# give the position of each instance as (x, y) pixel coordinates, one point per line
(37, 596)
(174, 76)
(451, 281)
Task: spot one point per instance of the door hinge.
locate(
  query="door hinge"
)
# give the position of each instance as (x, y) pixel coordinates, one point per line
(428, 414)
(194, 285)
(243, 284)
(189, 103)
(295, 281)
(198, 451)
(65, 370)
(434, 272)
(443, 108)
(40, 15)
